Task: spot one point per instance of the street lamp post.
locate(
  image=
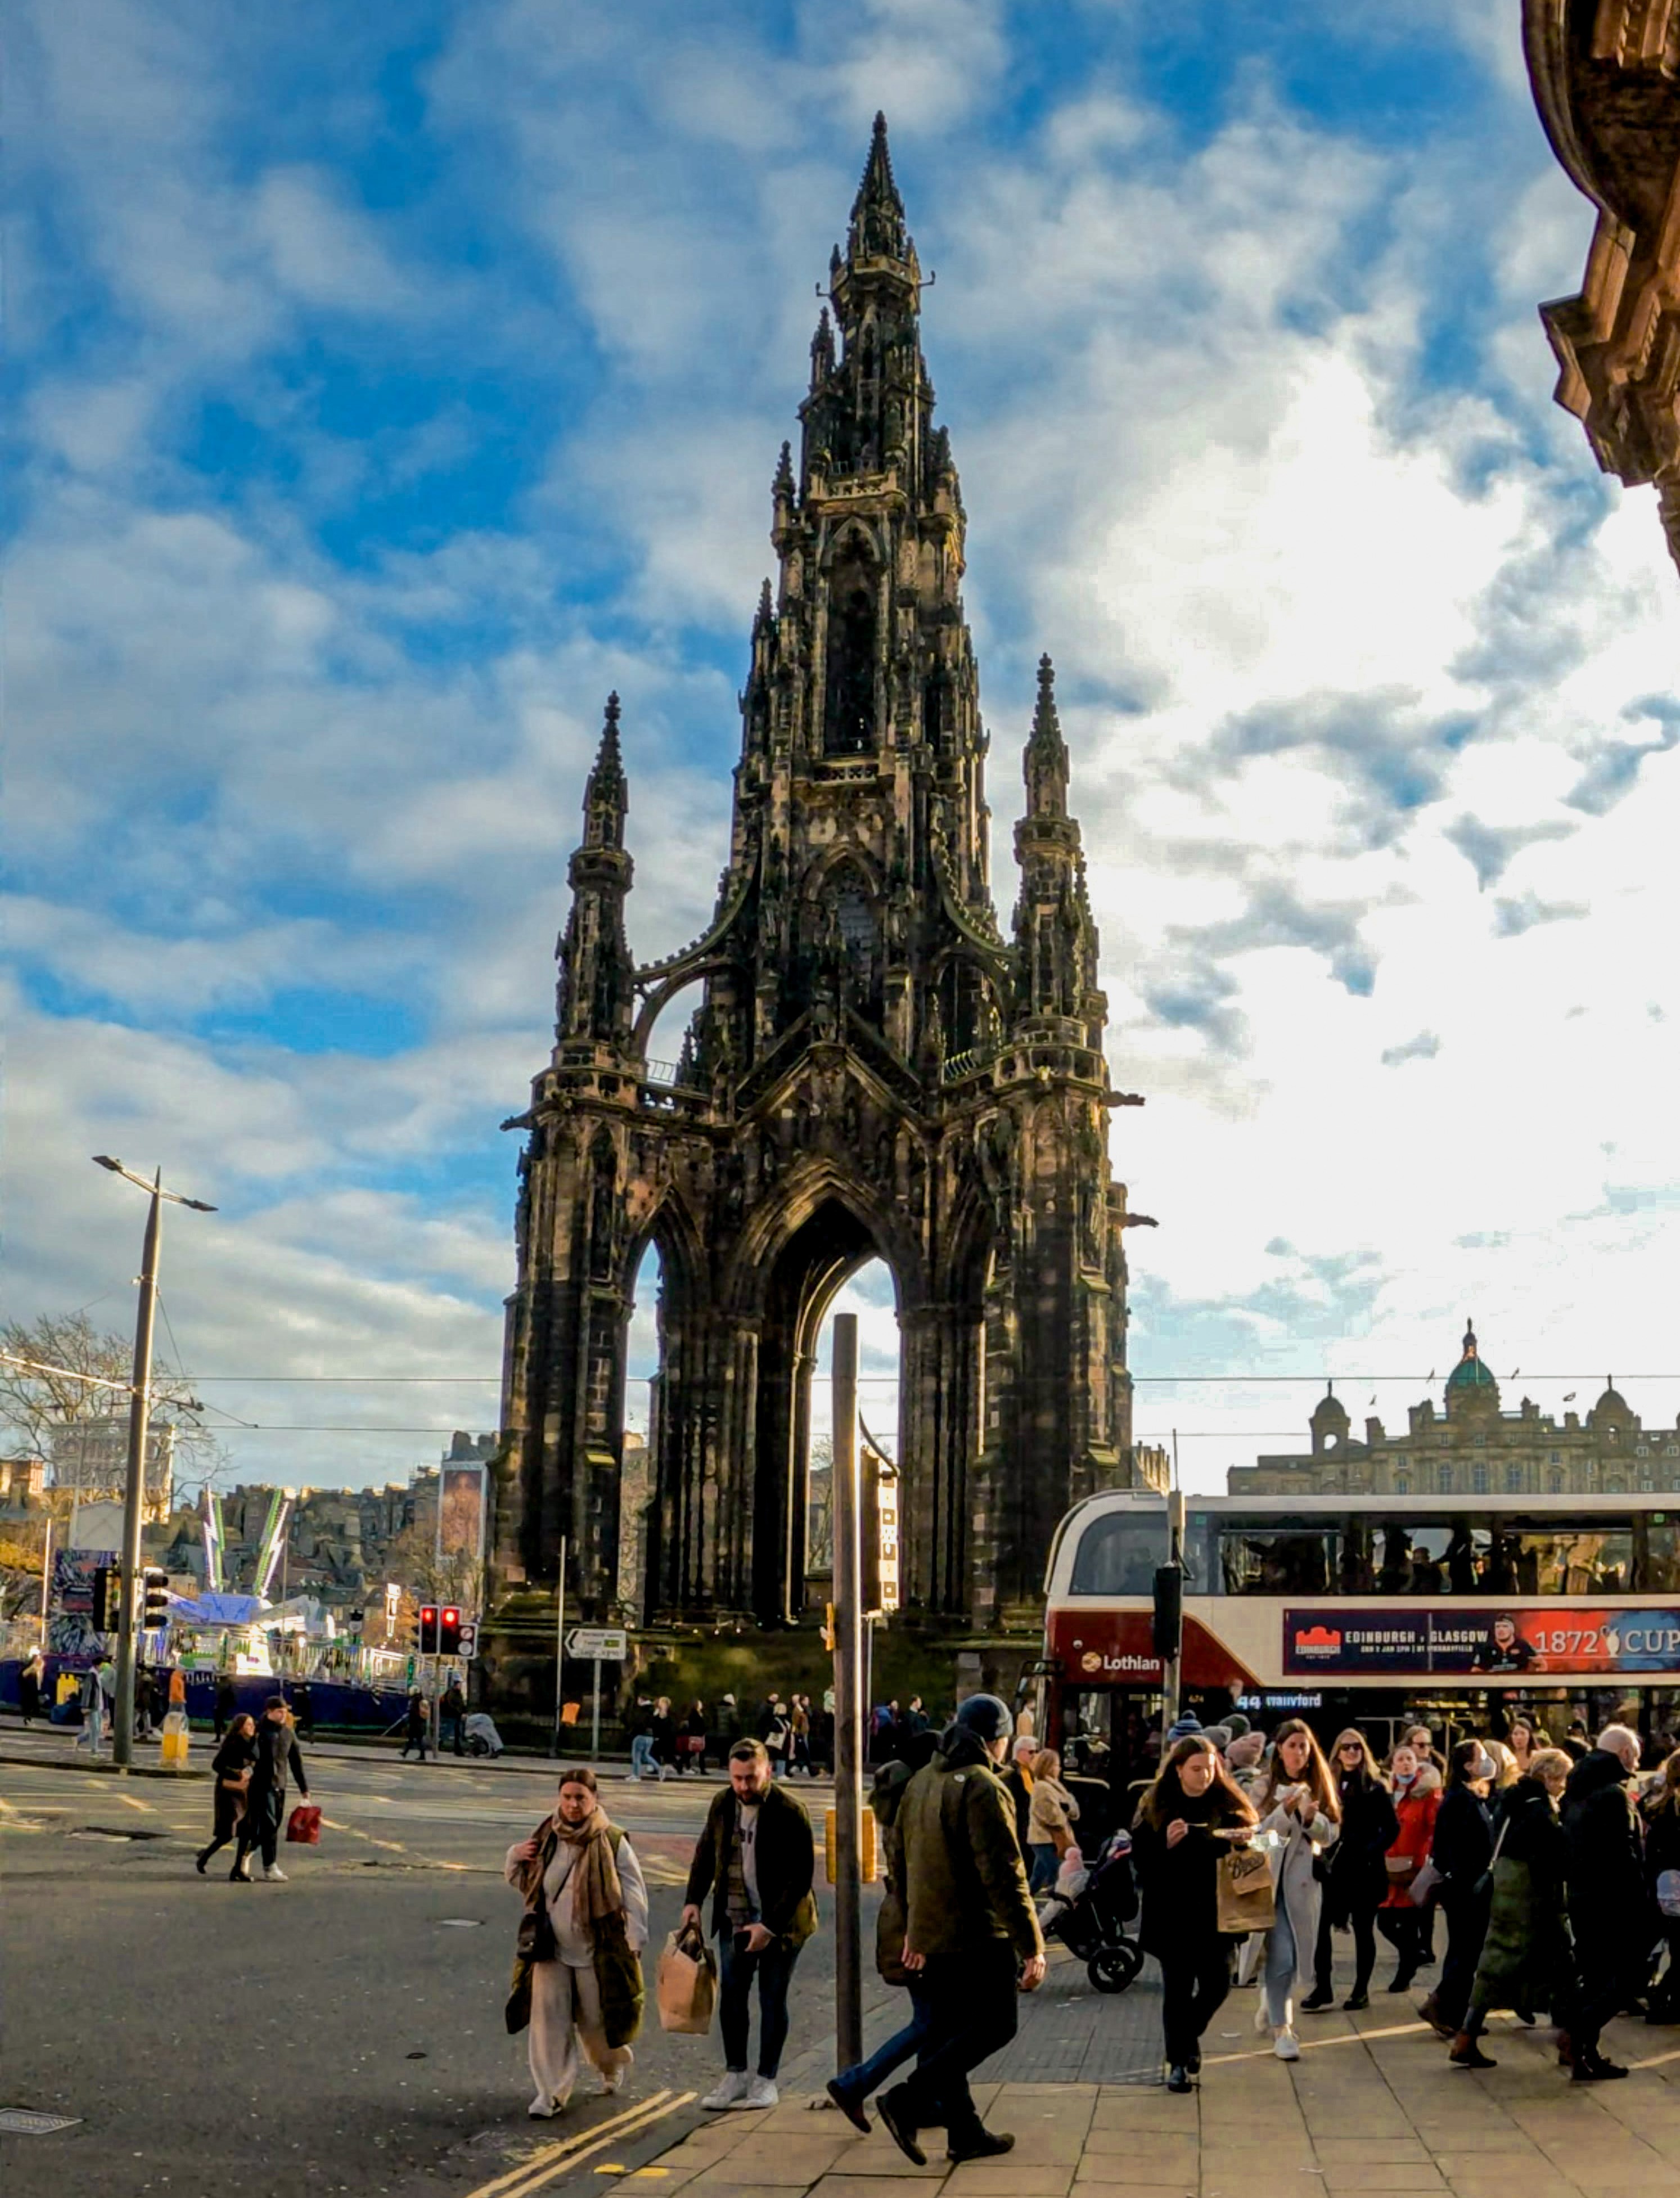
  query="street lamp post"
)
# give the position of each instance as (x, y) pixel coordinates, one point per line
(139, 1422)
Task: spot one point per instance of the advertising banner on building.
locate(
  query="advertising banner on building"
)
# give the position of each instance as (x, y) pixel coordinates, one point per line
(1512, 1643)
(461, 1494)
(70, 1626)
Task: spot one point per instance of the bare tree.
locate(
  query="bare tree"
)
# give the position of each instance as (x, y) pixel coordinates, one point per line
(42, 1397)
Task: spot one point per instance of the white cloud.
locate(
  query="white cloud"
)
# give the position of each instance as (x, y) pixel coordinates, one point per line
(1357, 659)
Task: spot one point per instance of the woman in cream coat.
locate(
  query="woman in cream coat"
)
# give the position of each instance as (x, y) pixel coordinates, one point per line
(1297, 1805)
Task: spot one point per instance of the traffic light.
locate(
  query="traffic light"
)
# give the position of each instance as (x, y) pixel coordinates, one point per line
(108, 1596)
(153, 1600)
(449, 1631)
(469, 1639)
(428, 1643)
(1167, 1628)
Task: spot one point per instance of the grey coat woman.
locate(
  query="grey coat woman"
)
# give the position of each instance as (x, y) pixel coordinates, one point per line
(1300, 1817)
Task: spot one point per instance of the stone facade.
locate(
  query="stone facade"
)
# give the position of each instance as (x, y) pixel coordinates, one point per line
(1470, 1448)
(874, 1067)
(1603, 74)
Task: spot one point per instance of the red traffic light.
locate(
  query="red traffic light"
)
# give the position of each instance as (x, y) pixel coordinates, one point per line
(451, 1615)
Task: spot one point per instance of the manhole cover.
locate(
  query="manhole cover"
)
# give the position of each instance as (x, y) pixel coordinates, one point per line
(461, 1922)
(24, 2121)
(117, 1832)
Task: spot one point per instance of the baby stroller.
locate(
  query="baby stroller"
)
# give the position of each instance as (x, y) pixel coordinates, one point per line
(1088, 1920)
(480, 1734)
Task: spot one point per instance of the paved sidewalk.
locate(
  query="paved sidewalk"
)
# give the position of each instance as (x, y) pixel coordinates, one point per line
(1371, 2108)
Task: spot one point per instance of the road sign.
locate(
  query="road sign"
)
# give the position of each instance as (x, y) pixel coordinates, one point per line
(469, 1639)
(604, 1644)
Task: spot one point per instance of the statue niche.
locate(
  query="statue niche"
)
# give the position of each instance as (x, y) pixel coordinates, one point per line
(849, 717)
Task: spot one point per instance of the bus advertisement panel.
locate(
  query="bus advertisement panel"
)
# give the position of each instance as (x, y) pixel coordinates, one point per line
(1515, 1641)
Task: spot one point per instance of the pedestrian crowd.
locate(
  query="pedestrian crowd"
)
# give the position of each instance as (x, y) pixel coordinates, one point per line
(1557, 1878)
(796, 1732)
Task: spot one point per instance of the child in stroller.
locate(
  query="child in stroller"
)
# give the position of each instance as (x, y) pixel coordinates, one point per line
(1088, 1909)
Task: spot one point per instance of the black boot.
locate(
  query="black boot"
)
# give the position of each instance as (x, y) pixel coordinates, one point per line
(1178, 2078)
(979, 2143)
(891, 2107)
(1319, 1997)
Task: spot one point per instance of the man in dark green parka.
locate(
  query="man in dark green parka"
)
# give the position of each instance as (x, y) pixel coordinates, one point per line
(970, 1928)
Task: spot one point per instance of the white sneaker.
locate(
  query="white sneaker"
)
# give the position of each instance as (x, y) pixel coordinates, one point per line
(275, 1875)
(1285, 2046)
(729, 2093)
(760, 2092)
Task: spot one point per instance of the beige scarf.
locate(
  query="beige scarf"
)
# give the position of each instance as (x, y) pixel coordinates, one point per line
(597, 1892)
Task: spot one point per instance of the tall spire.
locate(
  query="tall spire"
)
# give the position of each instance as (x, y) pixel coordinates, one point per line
(1045, 763)
(606, 794)
(877, 230)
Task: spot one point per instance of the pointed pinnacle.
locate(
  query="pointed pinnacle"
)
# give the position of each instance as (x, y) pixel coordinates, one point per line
(877, 181)
(784, 471)
(766, 612)
(607, 780)
(1046, 724)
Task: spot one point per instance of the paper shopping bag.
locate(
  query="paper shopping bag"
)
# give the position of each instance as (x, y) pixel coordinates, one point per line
(687, 1984)
(1247, 1902)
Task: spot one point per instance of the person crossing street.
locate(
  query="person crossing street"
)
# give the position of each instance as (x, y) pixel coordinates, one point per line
(970, 1929)
(277, 1753)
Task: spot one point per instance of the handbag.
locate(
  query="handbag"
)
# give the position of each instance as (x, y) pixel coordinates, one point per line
(1426, 1885)
(1398, 1865)
(1668, 1893)
(303, 1825)
(535, 1941)
(1243, 1888)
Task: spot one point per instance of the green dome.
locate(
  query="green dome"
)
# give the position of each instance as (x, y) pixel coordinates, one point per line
(1470, 1377)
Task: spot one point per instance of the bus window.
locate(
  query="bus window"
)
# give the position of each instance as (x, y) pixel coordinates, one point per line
(1279, 1557)
(1118, 1553)
(1656, 1568)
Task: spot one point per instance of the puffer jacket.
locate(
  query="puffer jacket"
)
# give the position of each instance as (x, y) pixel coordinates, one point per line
(1416, 1806)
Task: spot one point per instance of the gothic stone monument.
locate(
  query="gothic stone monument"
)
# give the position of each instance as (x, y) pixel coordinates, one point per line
(873, 1068)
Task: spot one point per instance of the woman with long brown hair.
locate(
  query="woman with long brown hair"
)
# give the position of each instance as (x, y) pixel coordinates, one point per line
(1300, 1807)
(1355, 1872)
(1185, 1823)
(578, 1973)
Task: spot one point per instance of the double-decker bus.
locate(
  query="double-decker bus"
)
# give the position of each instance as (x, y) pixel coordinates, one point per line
(1367, 1610)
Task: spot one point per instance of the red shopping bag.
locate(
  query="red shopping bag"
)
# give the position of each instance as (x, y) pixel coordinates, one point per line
(303, 1825)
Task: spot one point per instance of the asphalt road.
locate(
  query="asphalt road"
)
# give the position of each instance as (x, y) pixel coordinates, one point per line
(341, 2033)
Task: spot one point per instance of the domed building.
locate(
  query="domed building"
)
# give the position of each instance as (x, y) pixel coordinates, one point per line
(1471, 1447)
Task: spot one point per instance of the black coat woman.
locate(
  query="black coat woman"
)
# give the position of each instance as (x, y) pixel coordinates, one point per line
(1354, 1872)
(1462, 1853)
(230, 1772)
(1185, 1825)
(1524, 1961)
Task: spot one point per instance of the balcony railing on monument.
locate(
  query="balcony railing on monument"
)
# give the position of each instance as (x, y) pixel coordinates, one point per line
(970, 1061)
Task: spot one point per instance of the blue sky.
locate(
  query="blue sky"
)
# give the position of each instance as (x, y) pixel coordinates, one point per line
(387, 384)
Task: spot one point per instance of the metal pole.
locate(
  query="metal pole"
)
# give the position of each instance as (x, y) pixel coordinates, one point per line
(139, 1422)
(848, 1703)
(594, 1719)
(1173, 1671)
(46, 1579)
(560, 1647)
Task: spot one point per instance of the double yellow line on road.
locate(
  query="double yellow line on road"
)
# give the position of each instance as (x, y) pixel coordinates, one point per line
(555, 2159)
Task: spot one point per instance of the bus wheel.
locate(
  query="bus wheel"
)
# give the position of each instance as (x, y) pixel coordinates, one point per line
(1115, 1966)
